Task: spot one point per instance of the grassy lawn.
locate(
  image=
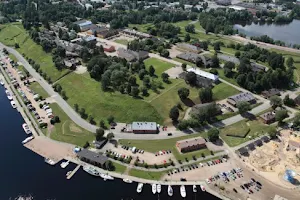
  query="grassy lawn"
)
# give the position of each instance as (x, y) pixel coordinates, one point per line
(159, 65)
(146, 174)
(121, 41)
(37, 88)
(170, 98)
(157, 145)
(226, 115)
(67, 130)
(15, 33)
(12, 57)
(189, 156)
(256, 128)
(141, 27)
(222, 91)
(119, 168)
(87, 93)
(183, 61)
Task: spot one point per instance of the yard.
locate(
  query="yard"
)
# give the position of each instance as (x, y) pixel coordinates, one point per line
(37, 88)
(222, 91)
(257, 128)
(121, 41)
(67, 130)
(87, 93)
(119, 168)
(159, 65)
(146, 174)
(15, 33)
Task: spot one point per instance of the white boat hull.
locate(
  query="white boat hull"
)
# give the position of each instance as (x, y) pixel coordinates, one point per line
(182, 191)
(202, 188)
(154, 188)
(106, 177)
(127, 180)
(139, 188)
(158, 188)
(170, 191)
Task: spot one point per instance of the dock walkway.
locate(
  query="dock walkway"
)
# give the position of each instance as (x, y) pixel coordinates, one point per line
(74, 171)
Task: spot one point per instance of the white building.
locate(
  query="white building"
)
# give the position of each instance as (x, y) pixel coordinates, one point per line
(204, 74)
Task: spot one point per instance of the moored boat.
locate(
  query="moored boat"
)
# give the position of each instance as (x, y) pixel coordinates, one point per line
(8, 95)
(126, 180)
(194, 188)
(28, 139)
(64, 164)
(182, 191)
(202, 188)
(1, 82)
(68, 173)
(91, 170)
(139, 188)
(49, 161)
(26, 128)
(158, 188)
(106, 177)
(154, 188)
(13, 104)
(170, 191)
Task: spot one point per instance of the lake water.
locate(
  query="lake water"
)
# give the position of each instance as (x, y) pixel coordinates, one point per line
(24, 172)
(289, 33)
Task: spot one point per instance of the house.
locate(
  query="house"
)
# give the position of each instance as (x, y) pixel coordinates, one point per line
(71, 63)
(135, 33)
(92, 157)
(192, 57)
(193, 144)
(130, 55)
(189, 47)
(268, 93)
(90, 39)
(258, 143)
(71, 49)
(243, 96)
(144, 127)
(201, 81)
(268, 117)
(204, 74)
(106, 47)
(257, 67)
(85, 25)
(223, 2)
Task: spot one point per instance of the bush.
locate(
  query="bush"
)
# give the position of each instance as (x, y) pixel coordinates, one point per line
(86, 145)
(43, 125)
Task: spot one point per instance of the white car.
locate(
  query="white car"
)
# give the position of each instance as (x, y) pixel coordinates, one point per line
(207, 181)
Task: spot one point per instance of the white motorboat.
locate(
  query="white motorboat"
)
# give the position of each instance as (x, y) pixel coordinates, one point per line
(8, 95)
(139, 188)
(182, 191)
(13, 104)
(106, 177)
(126, 180)
(202, 188)
(158, 188)
(170, 191)
(154, 188)
(28, 139)
(1, 82)
(91, 170)
(194, 188)
(26, 128)
(49, 161)
(64, 164)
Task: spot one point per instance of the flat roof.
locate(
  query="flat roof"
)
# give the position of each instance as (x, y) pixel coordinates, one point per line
(204, 74)
(92, 156)
(243, 96)
(190, 142)
(140, 126)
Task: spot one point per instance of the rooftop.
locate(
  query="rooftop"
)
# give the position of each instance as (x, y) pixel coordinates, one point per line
(203, 74)
(144, 126)
(92, 156)
(268, 116)
(243, 96)
(190, 142)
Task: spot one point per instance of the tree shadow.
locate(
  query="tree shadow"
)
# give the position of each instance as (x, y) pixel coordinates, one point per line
(188, 102)
(218, 142)
(249, 116)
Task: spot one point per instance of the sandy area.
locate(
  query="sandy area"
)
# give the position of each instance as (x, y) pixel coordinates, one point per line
(80, 69)
(50, 149)
(174, 51)
(174, 71)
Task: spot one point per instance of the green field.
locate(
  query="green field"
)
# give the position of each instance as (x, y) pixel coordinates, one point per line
(146, 174)
(141, 27)
(119, 168)
(67, 130)
(15, 33)
(190, 155)
(87, 93)
(122, 41)
(12, 57)
(183, 61)
(37, 88)
(222, 91)
(159, 65)
(257, 128)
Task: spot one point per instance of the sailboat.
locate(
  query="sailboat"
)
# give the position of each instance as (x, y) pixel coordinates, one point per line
(194, 188)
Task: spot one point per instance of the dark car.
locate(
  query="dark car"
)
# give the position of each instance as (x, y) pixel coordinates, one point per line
(183, 179)
(170, 134)
(235, 190)
(258, 183)
(242, 187)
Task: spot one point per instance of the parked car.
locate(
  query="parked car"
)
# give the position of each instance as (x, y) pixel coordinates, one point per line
(170, 134)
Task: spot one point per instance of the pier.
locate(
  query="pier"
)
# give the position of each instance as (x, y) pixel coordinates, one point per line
(73, 172)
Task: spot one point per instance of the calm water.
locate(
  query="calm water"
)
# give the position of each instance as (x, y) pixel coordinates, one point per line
(24, 172)
(289, 33)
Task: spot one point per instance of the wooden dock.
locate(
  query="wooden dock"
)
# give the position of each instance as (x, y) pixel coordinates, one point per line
(73, 172)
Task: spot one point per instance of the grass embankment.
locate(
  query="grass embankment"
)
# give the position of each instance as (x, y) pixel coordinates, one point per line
(37, 88)
(15, 33)
(146, 174)
(67, 130)
(12, 57)
(122, 41)
(119, 168)
(222, 91)
(257, 128)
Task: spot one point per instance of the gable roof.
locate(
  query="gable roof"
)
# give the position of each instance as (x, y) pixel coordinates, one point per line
(92, 156)
(204, 74)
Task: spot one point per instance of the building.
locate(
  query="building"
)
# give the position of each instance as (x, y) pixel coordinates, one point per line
(268, 93)
(131, 56)
(92, 157)
(192, 57)
(189, 47)
(100, 144)
(197, 71)
(257, 67)
(143, 127)
(135, 33)
(201, 81)
(102, 32)
(71, 63)
(85, 25)
(268, 117)
(89, 39)
(223, 2)
(243, 151)
(243, 96)
(193, 144)
(258, 143)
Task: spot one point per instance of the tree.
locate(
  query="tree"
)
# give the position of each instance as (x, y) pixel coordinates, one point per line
(109, 165)
(86, 145)
(146, 81)
(215, 62)
(57, 88)
(142, 73)
(174, 113)
(76, 107)
(183, 93)
(229, 65)
(82, 112)
(187, 37)
(275, 101)
(165, 53)
(183, 66)
(206, 95)
(99, 134)
(237, 54)
(135, 91)
(17, 45)
(199, 62)
(191, 78)
(296, 121)
(213, 134)
(110, 136)
(288, 101)
(272, 132)
(190, 28)
(165, 77)
(243, 107)
(151, 70)
(217, 46)
(280, 115)
(91, 120)
(111, 119)
(290, 62)
(102, 124)
(63, 95)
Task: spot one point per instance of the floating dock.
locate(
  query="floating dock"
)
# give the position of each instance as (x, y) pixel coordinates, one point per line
(73, 172)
